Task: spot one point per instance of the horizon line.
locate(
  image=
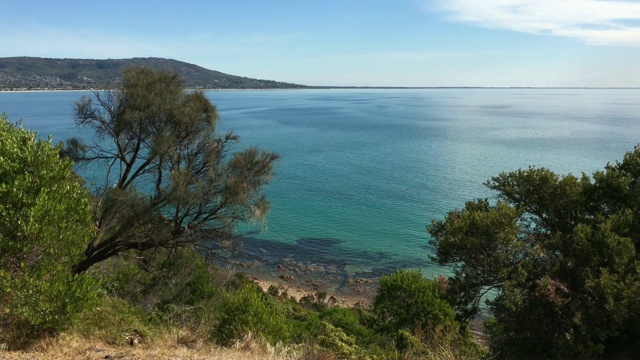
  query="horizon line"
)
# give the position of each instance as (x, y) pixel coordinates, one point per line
(330, 87)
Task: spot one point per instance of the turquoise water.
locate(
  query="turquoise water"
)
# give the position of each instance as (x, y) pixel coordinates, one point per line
(364, 171)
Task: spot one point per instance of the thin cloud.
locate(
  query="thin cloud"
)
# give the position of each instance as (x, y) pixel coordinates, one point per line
(46, 41)
(50, 42)
(597, 22)
(382, 56)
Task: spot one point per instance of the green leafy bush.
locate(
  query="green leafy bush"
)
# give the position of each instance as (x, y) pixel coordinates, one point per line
(352, 323)
(181, 291)
(248, 310)
(338, 342)
(559, 254)
(45, 220)
(156, 279)
(412, 311)
(406, 300)
(111, 320)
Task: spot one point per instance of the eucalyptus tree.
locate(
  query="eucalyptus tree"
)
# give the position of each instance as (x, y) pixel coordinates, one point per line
(559, 257)
(168, 178)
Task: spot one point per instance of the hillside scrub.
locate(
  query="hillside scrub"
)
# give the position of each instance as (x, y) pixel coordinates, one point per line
(45, 219)
(206, 305)
(562, 256)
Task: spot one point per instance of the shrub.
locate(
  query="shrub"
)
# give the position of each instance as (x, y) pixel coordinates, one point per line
(157, 279)
(412, 311)
(406, 300)
(45, 219)
(123, 278)
(112, 320)
(350, 321)
(248, 310)
(335, 340)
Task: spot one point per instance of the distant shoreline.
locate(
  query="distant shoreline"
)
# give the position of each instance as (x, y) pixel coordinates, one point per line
(44, 90)
(356, 88)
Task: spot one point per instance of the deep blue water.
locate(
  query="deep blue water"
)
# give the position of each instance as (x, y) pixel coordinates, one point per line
(364, 171)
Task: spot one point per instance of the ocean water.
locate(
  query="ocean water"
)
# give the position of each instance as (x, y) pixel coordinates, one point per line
(364, 171)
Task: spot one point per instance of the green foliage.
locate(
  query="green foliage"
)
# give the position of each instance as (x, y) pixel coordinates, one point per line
(42, 304)
(414, 313)
(406, 300)
(184, 296)
(560, 254)
(440, 343)
(178, 292)
(45, 219)
(172, 181)
(489, 240)
(250, 311)
(165, 282)
(124, 279)
(36, 72)
(111, 320)
(359, 325)
(338, 342)
(350, 321)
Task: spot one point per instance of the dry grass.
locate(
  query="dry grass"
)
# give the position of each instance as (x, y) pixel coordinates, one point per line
(67, 347)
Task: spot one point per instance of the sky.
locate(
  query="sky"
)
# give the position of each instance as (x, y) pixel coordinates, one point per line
(423, 43)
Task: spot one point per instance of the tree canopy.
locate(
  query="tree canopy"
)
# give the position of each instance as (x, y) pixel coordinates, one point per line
(558, 257)
(169, 178)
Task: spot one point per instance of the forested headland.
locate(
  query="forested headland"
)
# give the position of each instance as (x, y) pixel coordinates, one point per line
(122, 263)
(33, 73)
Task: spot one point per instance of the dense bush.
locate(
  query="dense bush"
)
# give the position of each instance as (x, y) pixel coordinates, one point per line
(196, 303)
(413, 312)
(350, 321)
(561, 256)
(154, 279)
(174, 291)
(248, 310)
(338, 342)
(407, 301)
(112, 320)
(182, 290)
(45, 219)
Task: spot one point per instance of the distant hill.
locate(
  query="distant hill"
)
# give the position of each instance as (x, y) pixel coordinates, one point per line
(25, 73)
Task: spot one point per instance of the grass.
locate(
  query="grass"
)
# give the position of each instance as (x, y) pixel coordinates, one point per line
(166, 347)
(169, 347)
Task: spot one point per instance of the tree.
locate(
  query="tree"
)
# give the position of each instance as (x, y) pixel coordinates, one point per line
(170, 179)
(45, 221)
(559, 257)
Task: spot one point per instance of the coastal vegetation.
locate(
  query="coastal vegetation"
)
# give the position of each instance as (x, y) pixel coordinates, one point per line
(45, 218)
(557, 259)
(171, 180)
(33, 73)
(123, 260)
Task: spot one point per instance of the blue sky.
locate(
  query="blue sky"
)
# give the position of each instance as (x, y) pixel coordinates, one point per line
(348, 42)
